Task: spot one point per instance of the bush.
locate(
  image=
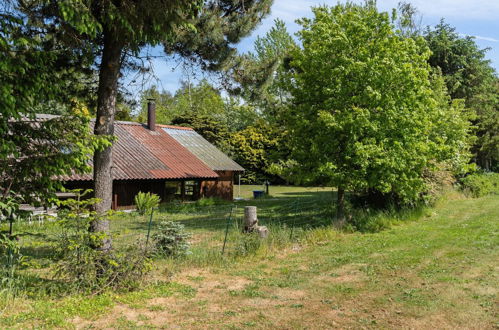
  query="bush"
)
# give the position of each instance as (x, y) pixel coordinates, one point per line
(10, 260)
(171, 239)
(481, 184)
(247, 244)
(83, 266)
(369, 222)
(145, 202)
(373, 221)
(210, 201)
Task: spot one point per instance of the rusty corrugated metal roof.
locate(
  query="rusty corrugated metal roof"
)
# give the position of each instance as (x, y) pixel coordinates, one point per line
(140, 153)
(204, 150)
(180, 161)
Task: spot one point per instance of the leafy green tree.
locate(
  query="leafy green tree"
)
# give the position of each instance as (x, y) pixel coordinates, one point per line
(201, 99)
(203, 30)
(210, 128)
(239, 115)
(463, 64)
(46, 150)
(35, 75)
(364, 115)
(486, 148)
(164, 105)
(205, 101)
(262, 75)
(256, 148)
(408, 20)
(469, 76)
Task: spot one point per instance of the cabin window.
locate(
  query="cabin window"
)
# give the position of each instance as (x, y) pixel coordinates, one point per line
(191, 188)
(172, 187)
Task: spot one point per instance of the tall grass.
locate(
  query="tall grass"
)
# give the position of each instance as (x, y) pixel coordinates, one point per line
(292, 222)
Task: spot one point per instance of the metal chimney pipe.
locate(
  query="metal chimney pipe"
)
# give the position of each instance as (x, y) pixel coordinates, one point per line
(151, 115)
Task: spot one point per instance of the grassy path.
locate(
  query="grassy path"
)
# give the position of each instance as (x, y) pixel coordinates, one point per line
(438, 272)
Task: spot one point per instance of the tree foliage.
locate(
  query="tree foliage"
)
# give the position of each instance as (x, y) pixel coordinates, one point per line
(201, 99)
(261, 74)
(46, 150)
(469, 76)
(36, 75)
(112, 32)
(256, 148)
(261, 79)
(208, 38)
(364, 114)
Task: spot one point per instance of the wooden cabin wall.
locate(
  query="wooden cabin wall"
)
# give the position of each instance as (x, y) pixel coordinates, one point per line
(222, 188)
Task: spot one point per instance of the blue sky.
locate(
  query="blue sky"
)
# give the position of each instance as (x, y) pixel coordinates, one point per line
(479, 18)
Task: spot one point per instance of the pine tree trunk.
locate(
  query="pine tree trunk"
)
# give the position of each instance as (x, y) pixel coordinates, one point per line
(104, 125)
(340, 207)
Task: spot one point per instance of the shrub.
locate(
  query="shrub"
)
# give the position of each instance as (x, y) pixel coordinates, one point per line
(10, 260)
(369, 222)
(145, 202)
(373, 221)
(481, 184)
(210, 201)
(171, 239)
(248, 243)
(86, 268)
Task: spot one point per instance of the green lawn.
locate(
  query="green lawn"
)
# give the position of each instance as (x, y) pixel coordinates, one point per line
(246, 191)
(439, 271)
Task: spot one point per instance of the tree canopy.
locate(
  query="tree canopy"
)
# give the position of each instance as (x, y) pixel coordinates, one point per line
(469, 76)
(37, 75)
(364, 114)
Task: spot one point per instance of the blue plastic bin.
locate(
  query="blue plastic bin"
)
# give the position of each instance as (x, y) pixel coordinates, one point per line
(258, 193)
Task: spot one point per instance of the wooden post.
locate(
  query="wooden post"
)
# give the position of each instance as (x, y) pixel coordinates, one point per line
(115, 202)
(251, 222)
(182, 190)
(250, 218)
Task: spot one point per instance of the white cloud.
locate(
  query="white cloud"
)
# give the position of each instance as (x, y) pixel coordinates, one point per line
(479, 37)
(486, 38)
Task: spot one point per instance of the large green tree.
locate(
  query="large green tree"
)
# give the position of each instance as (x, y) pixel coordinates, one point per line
(364, 115)
(35, 76)
(256, 148)
(261, 76)
(469, 76)
(198, 30)
(200, 99)
(261, 79)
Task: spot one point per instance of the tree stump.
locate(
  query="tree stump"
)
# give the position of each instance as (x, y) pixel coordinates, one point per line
(251, 222)
(262, 231)
(250, 219)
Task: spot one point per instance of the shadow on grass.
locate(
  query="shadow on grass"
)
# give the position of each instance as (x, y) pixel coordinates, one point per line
(312, 194)
(42, 254)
